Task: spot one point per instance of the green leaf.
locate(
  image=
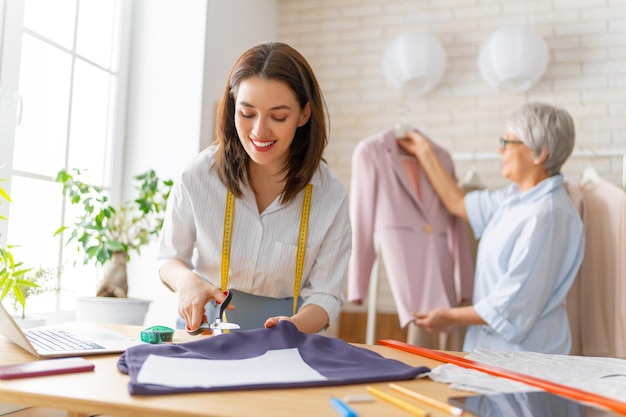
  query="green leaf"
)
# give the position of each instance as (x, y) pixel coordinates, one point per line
(116, 246)
(5, 195)
(92, 251)
(5, 291)
(103, 255)
(19, 295)
(60, 230)
(20, 272)
(27, 283)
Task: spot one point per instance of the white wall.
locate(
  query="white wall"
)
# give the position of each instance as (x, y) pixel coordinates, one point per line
(180, 57)
(344, 41)
(164, 88)
(232, 27)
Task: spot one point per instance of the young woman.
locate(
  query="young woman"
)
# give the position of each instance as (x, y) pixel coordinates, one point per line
(531, 237)
(259, 212)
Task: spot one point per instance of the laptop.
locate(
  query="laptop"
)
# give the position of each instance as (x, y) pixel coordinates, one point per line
(69, 339)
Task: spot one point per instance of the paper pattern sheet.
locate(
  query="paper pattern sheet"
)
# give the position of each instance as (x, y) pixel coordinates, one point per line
(603, 376)
(275, 366)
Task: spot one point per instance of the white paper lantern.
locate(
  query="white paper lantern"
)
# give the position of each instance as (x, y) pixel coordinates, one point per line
(414, 63)
(513, 59)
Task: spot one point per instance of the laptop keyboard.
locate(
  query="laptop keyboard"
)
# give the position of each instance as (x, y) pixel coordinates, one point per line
(59, 340)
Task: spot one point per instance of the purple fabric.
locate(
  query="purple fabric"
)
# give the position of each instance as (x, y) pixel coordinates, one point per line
(337, 360)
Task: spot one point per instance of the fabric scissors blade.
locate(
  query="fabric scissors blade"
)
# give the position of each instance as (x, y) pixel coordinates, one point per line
(216, 327)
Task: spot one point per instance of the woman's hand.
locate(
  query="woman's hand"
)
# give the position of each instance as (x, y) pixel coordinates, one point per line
(441, 178)
(273, 321)
(415, 143)
(437, 320)
(310, 319)
(192, 297)
(446, 319)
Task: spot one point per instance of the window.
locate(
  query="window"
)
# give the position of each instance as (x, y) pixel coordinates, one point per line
(63, 75)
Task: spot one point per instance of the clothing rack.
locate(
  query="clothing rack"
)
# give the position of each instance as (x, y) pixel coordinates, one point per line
(590, 154)
(466, 157)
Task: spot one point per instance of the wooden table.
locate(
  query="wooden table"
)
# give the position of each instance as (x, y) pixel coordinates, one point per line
(105, 391)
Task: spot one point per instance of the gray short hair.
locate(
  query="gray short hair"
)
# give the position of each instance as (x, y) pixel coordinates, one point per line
(542, 126)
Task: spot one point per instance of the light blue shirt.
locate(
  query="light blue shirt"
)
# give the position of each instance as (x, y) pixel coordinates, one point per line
(531, 246)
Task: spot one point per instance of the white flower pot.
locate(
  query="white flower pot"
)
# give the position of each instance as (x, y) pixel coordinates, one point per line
(32, 320)
(112, 310)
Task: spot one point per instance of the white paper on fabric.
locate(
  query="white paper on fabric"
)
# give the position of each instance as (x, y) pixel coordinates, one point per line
(274, 366)
(599, 375)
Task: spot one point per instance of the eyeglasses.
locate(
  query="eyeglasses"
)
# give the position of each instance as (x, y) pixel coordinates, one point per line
(504, 142)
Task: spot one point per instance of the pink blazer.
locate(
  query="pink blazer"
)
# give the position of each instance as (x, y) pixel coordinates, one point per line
(424, 249)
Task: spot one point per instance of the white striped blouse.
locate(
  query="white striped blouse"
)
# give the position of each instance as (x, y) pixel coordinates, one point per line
(263, 246)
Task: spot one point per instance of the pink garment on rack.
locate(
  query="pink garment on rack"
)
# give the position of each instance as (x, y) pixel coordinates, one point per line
(423, 247)
(596, 303)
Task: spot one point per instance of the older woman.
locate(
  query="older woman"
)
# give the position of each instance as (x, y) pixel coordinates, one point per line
(531, 237)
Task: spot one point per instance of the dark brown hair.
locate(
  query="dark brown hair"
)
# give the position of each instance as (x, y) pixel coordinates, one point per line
(280, 62)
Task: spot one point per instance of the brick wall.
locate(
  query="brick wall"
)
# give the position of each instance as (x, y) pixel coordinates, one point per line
(344, 41)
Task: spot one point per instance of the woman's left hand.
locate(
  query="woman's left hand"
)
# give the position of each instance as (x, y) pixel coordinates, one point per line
(273, 321)
(437, 320)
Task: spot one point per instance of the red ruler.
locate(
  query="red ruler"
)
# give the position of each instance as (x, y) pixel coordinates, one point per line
(552, 387)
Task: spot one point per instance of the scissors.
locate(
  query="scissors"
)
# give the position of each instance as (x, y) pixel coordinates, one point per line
(218, 326)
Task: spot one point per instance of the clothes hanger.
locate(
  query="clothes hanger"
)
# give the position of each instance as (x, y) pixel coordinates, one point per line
(403, 125)
(471, 178)
(401, 128)
(590, 176)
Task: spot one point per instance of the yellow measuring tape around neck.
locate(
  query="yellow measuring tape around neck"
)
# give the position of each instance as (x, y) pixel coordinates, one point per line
(229, 214)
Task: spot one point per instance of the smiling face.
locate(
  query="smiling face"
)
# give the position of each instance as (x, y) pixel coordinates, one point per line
(267, 115)
(518, 163)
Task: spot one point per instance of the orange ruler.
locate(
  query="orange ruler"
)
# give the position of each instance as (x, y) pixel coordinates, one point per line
(549, 386)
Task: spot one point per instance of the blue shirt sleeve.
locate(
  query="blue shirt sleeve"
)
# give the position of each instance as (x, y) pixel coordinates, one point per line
(480, 206)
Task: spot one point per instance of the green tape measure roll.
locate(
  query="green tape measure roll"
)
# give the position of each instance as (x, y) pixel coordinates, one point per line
(157, 334)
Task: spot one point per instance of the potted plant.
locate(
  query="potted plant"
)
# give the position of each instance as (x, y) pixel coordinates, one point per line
(107, 235)
(36, 281)
(18, 282)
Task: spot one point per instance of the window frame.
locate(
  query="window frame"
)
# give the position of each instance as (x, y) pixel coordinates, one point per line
(11, 32)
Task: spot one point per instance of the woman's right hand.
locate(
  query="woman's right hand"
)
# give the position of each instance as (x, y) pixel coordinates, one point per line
(440, 177)
(193, 294)
(415, 143)
(193, 291)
